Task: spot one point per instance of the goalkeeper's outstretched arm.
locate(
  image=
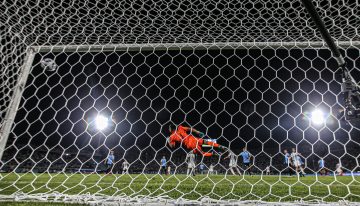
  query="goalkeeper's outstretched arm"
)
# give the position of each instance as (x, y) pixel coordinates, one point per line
(216, 145)
(192, 130)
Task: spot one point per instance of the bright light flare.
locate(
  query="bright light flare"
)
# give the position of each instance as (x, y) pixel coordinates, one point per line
(317, 117)
(101, 122)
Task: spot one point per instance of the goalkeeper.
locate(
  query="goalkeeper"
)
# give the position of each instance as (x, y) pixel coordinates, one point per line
(180, 134)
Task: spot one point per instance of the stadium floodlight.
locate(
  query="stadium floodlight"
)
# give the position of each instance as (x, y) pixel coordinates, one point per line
(101, 122)
(350, 89)
(317, 117)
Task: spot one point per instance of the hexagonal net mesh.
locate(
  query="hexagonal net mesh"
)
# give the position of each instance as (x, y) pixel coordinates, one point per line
(89, 90)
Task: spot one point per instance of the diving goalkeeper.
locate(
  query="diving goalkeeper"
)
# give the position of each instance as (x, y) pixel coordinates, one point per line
(184, 135)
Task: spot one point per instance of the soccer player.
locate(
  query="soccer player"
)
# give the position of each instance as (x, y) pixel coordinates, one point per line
(339, 170)
(296, 162)
(169, 170)
(190, 159)
(211, 169)
(302, 164)
(125, 167)
(322, 168)
(246, 156)
(163, 165)
(201, 168)
(267, 169)
(287, 162)
(180, 134)
(110, 162)
(233, 163)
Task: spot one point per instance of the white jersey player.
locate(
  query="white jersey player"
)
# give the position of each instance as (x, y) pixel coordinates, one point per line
(190, 159)
(233, 162)
(296, 162)
(169, 170)
(339, 170)
(125, 167)
(267, 170)
(211, 169)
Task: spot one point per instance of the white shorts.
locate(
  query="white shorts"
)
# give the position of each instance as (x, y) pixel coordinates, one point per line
(232, 164)
(297, 163)
(191, 166)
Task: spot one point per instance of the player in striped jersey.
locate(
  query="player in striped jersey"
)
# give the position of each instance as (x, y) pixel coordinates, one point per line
(233, 163)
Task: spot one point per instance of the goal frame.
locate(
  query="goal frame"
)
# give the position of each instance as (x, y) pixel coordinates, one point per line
(25, 70)
(31, 51)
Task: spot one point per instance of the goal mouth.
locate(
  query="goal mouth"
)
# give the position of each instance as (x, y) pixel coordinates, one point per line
(180, 102)
(120, 99)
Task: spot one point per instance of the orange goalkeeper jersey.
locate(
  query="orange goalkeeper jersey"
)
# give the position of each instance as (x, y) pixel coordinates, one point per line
(181, 135)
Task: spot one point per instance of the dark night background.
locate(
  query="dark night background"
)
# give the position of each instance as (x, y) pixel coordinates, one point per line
(259, 98)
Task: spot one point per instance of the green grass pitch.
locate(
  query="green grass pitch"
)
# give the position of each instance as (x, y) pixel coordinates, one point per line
(264, 188)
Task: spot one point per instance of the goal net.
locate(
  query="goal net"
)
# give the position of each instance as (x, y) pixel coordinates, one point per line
(89, 90)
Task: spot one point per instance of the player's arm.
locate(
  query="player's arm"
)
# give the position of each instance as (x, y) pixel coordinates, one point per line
(227, 157)
(192, 130)
(197, 132)
(240, 155)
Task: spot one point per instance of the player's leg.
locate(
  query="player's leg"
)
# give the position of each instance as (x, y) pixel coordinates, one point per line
(110, 169)
(292, 169)
(213, 144)
(246, 168)
(298, 171)
(199, 151)
(107, 169)
(302, 170)
(232, 171)
(237, 169)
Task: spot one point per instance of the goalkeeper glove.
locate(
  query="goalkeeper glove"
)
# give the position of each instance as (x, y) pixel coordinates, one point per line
(201, 134)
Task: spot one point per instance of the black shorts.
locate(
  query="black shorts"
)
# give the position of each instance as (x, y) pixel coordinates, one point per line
(247, 165)
(109, 167)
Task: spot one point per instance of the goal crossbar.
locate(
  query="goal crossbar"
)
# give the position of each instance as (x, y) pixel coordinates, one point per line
(190, 46)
